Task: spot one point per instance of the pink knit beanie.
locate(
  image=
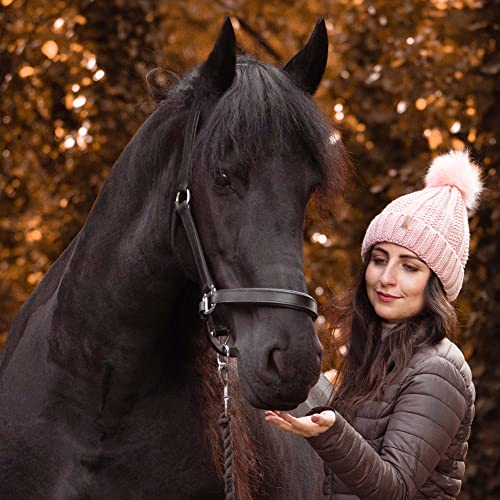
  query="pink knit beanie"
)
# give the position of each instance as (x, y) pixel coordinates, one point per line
(433, 222)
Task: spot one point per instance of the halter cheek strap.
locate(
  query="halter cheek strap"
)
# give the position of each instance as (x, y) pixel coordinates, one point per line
(211, 296)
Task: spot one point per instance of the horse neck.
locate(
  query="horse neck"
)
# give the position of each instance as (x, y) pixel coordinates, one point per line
(121, 286)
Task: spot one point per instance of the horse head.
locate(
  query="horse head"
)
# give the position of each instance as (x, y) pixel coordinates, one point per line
(262, 148)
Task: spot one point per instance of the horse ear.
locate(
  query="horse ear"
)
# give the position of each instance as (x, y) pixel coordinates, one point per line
(306, 68)
(219, 69)
(159, 82)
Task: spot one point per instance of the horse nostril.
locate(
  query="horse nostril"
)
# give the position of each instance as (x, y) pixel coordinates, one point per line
(276, 361)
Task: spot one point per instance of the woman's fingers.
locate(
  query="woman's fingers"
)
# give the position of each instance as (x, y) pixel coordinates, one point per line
(290, 419)
(282, 424)
(303, 426)
(324, 419)
(295, 423)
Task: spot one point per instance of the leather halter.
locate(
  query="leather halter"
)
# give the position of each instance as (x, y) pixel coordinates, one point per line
(211, 296)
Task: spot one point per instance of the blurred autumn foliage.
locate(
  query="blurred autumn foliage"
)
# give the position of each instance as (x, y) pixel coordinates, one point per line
(405, 81)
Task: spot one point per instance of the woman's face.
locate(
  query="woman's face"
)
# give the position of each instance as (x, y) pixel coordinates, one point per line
(395, 282)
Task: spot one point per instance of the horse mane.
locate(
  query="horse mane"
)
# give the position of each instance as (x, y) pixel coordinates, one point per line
(247, 471)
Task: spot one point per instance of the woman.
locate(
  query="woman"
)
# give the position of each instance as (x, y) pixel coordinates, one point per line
(403, 403)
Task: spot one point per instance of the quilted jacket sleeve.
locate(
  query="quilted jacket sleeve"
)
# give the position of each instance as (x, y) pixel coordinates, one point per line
(430, 407)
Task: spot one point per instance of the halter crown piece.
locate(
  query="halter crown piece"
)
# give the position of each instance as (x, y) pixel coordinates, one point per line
(211, 296)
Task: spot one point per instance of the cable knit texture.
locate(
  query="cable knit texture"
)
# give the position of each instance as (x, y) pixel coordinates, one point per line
(433, 222)
(412, 443)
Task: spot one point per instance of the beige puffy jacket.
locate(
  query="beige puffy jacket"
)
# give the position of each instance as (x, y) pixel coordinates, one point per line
(411, 444)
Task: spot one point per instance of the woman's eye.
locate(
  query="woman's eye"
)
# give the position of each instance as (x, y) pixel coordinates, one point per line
(377, 261)
(410, 268)
(222, 179)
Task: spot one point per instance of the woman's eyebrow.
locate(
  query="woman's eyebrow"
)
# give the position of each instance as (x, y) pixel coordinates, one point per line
(401, 256)
(404, 256)
(381, 250)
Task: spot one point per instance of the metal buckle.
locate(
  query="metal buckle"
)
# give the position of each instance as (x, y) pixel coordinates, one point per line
(206, 306)
(187, 197)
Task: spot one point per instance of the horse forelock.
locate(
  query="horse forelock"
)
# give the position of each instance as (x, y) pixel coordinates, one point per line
(264, 113)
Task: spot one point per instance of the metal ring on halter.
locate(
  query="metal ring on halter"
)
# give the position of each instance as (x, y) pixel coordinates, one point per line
(178, 196)
(222, 348)
(226, 349)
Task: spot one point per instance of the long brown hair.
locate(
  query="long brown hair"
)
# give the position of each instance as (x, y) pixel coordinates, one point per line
(373, 359)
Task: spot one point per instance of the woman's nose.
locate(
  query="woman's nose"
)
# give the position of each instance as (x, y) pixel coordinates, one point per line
(388, 277)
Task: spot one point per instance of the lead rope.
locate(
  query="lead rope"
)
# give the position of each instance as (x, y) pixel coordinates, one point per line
(224, 423)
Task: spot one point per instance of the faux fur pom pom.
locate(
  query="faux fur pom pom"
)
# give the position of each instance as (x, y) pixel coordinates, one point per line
(456, 169)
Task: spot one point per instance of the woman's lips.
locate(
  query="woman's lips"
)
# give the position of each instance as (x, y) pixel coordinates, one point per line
(385, 297)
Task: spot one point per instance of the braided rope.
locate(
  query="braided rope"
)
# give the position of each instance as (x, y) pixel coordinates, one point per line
(228, 456)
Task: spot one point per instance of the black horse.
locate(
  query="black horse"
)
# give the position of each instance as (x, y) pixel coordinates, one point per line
(108, 387)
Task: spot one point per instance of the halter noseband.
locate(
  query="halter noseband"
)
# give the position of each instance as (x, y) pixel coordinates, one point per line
(211, 296)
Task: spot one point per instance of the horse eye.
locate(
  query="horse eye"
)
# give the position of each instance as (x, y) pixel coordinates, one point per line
(222, 179)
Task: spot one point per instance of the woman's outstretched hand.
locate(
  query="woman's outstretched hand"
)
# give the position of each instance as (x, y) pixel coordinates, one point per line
(312, 425)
